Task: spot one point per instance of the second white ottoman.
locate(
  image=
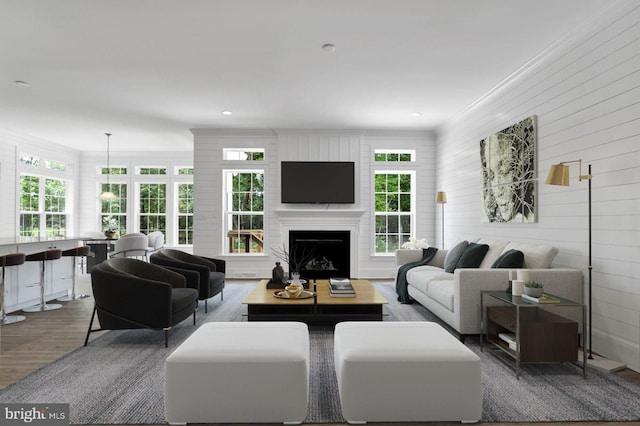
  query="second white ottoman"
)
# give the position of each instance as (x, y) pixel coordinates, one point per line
(405, 372)
(239, 372)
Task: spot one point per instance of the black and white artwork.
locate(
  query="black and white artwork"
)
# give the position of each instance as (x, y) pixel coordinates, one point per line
(508, 172)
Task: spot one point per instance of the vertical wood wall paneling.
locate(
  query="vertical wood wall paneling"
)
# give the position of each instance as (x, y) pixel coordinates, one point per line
(585, 96)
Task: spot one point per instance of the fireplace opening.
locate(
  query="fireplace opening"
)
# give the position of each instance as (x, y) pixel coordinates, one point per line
(320, 254)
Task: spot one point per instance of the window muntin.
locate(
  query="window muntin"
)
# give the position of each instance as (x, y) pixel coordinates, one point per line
(394, 209)
(244, 211)
(243, 154)
(185, 213)
(152, 207)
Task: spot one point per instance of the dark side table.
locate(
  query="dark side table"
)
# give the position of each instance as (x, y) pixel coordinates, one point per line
(539, 335)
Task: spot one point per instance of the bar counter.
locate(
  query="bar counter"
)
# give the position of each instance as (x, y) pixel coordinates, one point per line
(22, 282)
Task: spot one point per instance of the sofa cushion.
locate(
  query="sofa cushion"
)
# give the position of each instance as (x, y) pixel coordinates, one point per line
(453, 255)
(442, 292)
(420, 276)
(510, 259)
(472, 256)
(535, 256)
(496, 248)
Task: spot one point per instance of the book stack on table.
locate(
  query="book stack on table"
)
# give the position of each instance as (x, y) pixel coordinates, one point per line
(341, 287)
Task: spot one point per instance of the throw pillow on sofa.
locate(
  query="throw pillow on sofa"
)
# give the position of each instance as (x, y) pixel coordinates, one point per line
(453, 255)
(510, 259)
(472, 256)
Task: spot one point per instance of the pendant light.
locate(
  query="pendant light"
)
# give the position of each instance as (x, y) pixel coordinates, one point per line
(108, 195)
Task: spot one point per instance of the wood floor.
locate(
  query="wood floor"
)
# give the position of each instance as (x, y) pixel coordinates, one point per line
(46, 336)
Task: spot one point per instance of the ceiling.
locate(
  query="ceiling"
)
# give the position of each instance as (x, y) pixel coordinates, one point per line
(149, 70)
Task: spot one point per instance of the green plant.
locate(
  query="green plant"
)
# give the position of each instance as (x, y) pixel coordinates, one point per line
(533, 284)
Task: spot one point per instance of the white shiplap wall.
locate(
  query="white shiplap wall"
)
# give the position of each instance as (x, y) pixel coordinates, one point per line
(585, 93)
(323, 145)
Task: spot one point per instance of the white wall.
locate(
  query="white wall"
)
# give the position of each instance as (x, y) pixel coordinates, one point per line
(327, 145)
(585, 93)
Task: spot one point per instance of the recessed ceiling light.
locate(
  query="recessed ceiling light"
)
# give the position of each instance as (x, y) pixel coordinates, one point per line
(226, 112)
(329, 47)
(22, 83)
(416, 114)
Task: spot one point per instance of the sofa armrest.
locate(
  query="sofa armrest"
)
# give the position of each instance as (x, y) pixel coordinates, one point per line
(468, 283)
(404, 256)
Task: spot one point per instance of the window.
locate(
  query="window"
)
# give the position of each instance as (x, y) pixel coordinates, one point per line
(29, 206)
(394, 209)
(54, 165)
(29, 160)
(152, 207)
(244, 210)
(113, 214)
(55, 197)
(184, 171)
(185, 213)
(152, 171)
(43, 206)
(243, 154)
(397, 155)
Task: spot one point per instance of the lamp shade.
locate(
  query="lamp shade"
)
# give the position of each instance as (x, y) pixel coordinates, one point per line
(108, 196)
(558, 175)
(441, 197)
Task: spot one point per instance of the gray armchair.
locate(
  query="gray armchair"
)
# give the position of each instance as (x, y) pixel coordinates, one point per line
(130, 293)
(211, 271)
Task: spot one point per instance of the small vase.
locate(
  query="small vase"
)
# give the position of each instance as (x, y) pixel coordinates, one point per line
(109, 234)
(277, 275)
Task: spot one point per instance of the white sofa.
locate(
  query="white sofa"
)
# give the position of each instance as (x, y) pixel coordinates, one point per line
(455, 297)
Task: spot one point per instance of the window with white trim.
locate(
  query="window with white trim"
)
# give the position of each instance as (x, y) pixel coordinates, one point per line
(244, 211)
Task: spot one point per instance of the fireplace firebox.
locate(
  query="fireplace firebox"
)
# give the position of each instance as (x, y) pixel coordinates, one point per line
(320, 254)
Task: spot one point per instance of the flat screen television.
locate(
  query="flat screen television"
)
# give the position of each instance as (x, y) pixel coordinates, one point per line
(317, 182)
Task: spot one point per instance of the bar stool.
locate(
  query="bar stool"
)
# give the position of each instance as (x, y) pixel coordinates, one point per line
(81, 251)
(11, 259)
(43, 257)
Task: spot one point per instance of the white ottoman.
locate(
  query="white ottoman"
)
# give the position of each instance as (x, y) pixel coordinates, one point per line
(239, 372)
(405, 372)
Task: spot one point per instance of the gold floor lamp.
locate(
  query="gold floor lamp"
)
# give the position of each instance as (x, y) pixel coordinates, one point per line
(441, 198)
(559, 175)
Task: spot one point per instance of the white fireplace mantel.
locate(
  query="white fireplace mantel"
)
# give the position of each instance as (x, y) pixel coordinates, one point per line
(323, 219)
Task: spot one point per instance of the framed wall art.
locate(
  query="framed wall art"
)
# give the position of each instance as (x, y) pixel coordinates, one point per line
(508, 174)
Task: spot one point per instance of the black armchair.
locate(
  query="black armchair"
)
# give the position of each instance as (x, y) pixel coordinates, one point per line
(130, 293)
(211, 271)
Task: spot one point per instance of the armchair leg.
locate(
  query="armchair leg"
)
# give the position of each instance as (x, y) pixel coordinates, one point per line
(206, 305)
(166, 338)
(194, 317)
(86, 340)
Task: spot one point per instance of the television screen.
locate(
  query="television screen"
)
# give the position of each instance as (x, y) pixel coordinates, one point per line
(318, 182)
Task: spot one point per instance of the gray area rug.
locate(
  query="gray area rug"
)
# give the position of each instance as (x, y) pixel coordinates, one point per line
(119, 377)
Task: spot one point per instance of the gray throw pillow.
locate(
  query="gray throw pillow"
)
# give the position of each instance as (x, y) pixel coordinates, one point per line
(472, 256)
(453, 255)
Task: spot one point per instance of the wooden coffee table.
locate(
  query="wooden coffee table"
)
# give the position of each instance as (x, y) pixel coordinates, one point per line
(320, 310)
